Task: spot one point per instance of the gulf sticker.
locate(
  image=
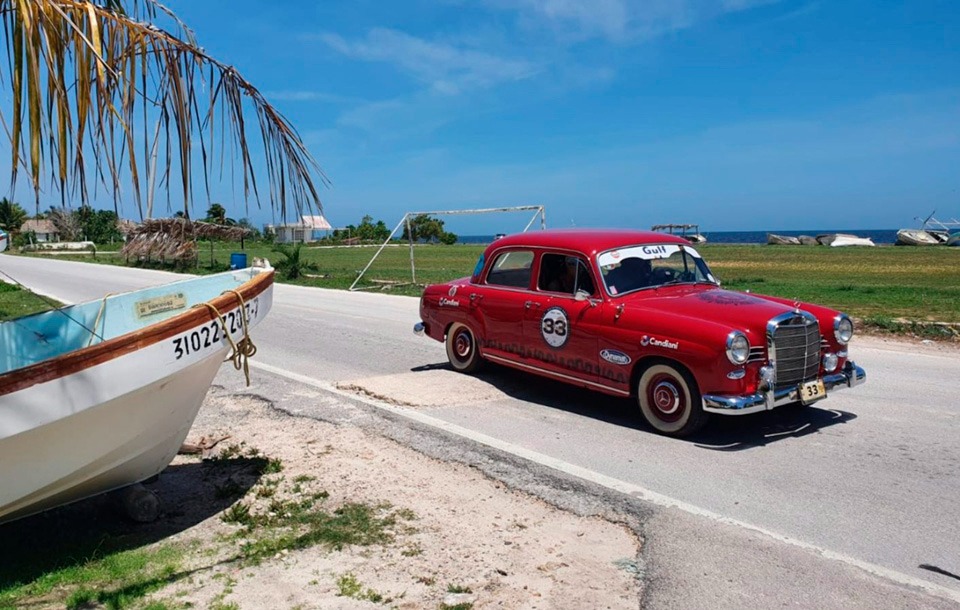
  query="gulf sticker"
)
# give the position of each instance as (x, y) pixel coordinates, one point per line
(554, 327)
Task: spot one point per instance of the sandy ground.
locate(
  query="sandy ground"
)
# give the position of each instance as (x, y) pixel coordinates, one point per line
(465, 531)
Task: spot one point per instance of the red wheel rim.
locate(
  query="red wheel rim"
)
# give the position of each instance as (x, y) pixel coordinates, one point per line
(463, 345)
(666, 398)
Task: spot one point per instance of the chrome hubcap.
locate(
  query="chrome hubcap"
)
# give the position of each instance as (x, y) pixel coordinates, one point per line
(666, 397)
(462, 344)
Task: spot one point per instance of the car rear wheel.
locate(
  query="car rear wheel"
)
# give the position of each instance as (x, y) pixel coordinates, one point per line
(462, 349)
(670, 400)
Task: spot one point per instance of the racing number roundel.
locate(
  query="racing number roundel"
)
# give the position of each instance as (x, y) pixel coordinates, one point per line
(554, 327)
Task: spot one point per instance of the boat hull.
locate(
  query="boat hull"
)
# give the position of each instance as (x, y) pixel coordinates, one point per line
(915, 237)
(117, 412)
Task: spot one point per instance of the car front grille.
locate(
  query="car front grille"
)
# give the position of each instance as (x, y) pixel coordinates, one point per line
(795, 343)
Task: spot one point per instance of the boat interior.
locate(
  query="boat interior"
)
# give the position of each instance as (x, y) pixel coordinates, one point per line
(32, 339)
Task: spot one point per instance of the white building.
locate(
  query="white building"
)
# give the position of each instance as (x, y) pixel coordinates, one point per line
(309, 229)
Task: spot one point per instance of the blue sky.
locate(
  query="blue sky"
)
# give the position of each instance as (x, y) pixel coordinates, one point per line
(734, 114)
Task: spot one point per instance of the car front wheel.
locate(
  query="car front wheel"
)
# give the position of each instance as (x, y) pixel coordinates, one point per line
(462, 349)
(670, 400)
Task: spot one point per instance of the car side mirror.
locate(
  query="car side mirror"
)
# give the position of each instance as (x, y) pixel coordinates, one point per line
(583, 295)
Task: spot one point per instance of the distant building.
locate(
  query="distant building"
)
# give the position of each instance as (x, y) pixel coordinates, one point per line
(43, 229)
(309, 229)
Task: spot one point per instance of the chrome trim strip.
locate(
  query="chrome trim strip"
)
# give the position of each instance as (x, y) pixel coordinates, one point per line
(851, 375)
(514, 363)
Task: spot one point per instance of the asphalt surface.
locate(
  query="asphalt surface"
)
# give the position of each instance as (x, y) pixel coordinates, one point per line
(854, 502)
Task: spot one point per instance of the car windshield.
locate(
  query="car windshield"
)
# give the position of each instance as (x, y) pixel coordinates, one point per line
(650, 266)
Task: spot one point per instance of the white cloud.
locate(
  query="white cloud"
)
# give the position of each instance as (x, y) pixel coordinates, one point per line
(310, 96)
(446, 68)
(619, 20)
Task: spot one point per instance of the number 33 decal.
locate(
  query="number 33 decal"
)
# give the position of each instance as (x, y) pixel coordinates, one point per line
(554, 327)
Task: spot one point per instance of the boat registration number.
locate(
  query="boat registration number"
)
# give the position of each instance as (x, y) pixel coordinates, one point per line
(211, 334)
(812, 391)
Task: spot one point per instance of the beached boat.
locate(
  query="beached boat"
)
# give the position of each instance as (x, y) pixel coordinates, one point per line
(100, 395)
(931, 232)
(782, 240)
(916, 237)
(689, 232)
(954, 239)
(843, 239)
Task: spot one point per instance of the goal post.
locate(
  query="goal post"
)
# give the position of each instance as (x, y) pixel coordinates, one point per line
(538, 212)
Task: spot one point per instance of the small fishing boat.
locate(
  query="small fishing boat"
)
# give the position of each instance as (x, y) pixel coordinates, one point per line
(916, 237)
(100, 395)
(689, 232)
(954, 239)
(782, 240)
(808, 240)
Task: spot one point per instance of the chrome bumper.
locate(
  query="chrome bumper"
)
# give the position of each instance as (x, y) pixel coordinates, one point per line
(851, 375)
(418, 328)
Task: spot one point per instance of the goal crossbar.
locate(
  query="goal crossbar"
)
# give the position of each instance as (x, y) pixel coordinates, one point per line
(538, 210)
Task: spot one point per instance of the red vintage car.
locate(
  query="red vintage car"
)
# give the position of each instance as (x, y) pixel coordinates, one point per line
(635, 313)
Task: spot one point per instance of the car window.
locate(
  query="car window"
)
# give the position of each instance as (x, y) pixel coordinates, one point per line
(513, 268)
(564, 273)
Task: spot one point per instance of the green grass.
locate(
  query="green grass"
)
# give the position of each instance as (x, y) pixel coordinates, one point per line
(918, 284)
(892, 283)
(15, 302)
(112, 579)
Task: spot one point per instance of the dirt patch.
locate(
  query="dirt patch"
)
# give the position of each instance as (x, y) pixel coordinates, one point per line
(454, 535)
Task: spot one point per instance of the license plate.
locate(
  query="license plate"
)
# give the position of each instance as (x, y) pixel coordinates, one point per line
(812, 391)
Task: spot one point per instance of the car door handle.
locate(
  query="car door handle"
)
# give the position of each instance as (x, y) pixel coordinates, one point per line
(530, 304)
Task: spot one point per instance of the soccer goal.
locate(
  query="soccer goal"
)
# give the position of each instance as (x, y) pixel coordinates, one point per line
(538, 212)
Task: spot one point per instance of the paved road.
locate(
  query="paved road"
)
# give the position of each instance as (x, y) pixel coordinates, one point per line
(870, 476)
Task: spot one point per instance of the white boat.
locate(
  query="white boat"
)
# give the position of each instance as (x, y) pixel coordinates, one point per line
(689, 232)
(916, 237)
(844, 239)
(100, 395)
(782, 240)
(4, 240)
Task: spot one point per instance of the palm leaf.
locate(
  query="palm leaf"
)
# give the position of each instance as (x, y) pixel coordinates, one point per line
(116, 85)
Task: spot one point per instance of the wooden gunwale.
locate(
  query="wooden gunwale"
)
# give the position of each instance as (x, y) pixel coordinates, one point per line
(78, 360)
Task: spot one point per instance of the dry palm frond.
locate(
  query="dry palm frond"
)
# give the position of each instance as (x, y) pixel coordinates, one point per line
(82, 75)
(175, 238)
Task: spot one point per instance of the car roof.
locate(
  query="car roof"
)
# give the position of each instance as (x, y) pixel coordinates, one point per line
(585, 240)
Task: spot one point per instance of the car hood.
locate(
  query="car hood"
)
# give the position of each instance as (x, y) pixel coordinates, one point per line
(739, 310)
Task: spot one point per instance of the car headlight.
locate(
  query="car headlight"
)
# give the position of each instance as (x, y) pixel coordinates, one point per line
(738, 347)
(843, 328)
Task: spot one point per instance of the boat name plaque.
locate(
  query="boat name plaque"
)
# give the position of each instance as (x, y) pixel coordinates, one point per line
(169, 302)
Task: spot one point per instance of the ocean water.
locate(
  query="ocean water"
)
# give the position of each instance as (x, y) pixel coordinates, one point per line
(879, 236)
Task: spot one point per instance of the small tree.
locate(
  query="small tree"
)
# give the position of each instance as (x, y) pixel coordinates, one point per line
(424, 227)
(67, 223)
(12, 216)
(292, 266)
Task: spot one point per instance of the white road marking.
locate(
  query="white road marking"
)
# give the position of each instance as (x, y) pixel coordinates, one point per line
(618, 485)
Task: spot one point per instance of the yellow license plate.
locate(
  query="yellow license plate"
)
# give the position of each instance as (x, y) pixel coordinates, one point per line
(812, 391)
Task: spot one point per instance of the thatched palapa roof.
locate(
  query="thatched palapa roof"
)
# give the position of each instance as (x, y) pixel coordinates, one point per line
(175, 238)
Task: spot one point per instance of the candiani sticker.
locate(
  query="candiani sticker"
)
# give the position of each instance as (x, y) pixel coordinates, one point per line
(554, 327)
(645, 341)
(615, 356)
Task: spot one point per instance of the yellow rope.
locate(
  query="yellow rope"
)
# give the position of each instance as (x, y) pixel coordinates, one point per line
(103, 308)
(243, 350)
